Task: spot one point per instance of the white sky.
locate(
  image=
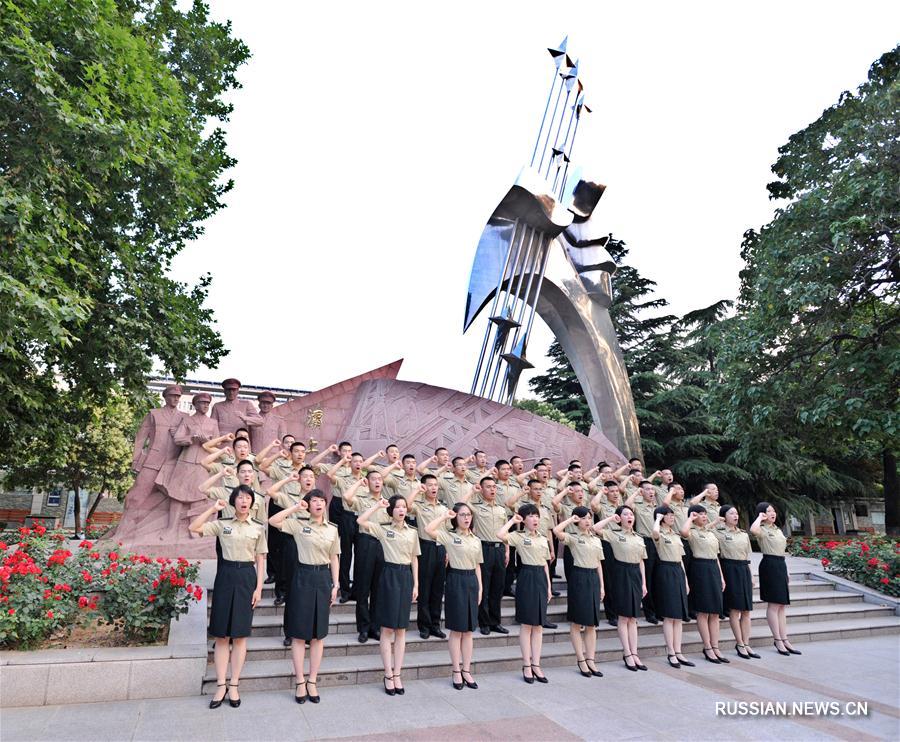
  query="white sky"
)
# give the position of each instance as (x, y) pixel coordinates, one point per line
(374, 140)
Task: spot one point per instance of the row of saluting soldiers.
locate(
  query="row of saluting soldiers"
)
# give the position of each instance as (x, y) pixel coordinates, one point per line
(462, 535)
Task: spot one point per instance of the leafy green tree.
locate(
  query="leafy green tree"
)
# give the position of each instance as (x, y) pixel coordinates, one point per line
(810, 366)
(544, 409)
(109, 165)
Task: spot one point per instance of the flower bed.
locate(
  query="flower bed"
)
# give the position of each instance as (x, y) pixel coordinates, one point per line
(873, 562)
(46, 589)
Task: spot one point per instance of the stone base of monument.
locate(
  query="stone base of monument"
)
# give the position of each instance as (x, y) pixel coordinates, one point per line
(821, 608)
(58, 676)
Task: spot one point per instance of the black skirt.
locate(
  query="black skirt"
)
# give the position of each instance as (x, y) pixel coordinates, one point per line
(773, 580)
(584, 596)
(461, 600)
(669, 591)
(289, 565)
(626, 589)
(394, 596)
(308, 602)
(232, 602)
(531, 595)
(706, 586)
(738, 585)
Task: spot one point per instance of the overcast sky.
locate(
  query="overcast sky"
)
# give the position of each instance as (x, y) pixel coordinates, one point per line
(374, 140)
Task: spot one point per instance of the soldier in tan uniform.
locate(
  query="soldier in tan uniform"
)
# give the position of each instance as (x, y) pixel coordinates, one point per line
(475, 475)
(453, 485)
(432, 560)
(774, 580)
(489, 518)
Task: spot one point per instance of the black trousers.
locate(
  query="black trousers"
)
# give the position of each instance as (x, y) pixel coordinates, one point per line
(348, 531)
(568, 562)
(273, 561)
(432, 573)
(649, 568)
(493, 575)
(606, 566)
(511, 570)
(553, 561)
(286, 570)
(366, 573)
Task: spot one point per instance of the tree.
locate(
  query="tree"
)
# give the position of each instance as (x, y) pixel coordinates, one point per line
(811, 364)
(108, 167)
(544, 409)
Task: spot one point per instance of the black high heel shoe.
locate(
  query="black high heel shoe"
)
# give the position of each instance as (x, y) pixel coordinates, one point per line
(469, 683)
(214, 704)
(390, 691)
(713, 659)
(639, 665)
(751, 653)
(312, 698)
(594, 671)
(625, 657)
(401, 690)
(790, 649)
(781, 651)
(682, 661)
(719, 657)
(525, 677)
(300, 699)
(737, 648)
(584, 673)
(540, 678)
(234, 703)
(676, 664)
(458, 686)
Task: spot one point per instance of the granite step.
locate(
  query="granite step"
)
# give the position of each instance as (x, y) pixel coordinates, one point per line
(277, 674)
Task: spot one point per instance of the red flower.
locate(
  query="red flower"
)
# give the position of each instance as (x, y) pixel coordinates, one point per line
(885, 567)
(25, 531)
(826, 562)
(872, 562)
(95, 555)
(3, 546)
(12, 611)
(49, 614)
(82, 602)
(86, 576)
(863, 547)
(830, 545)
(151, 598)
(40, 530)
(86, 545)
(155, 584)
(198, 592)
(885, 581)
(113, 557)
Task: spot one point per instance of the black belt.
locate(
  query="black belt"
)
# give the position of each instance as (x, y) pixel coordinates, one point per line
(495, 544)
(736, 561)
(313, 567)
(704, 559)
(454, 570)
(237, 565)
(772, 556)
(367, 535)
(425, 541)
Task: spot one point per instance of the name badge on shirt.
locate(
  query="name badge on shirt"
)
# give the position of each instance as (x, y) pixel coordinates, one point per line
(729, 538)
(622, 539)
(581, 541)
(457, 541)
(389, 534)
(667, 541)
(526, 541)
(226, 531)
(307, 530)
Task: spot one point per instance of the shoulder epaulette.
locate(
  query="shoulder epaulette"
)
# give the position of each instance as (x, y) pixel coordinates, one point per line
(259, 522)
(227, 517)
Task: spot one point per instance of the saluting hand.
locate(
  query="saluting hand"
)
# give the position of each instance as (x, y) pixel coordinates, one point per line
(220, 505)
(517, 518)
(276, 442)
(333, 448)
(294, 477)
(228, 471)
(617, 518)
(382, 503)
(229, 437)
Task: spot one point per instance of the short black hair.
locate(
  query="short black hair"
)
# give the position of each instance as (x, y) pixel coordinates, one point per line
(696, 509)
(295, 444)
(241, 489)
(439, 449)
(391, 445)
(239, 439)
(501, 462)
(610, 483)
(573, 467)
(477, 451)
(580, 511)
(528, 509)
(393, 502)
(357, 453)
(646, 481)
(634, 471)
(761, 507)
(632, 460)
(288, 435)
(314, 493)
(533, 481)
(513, 458)
(662, 510)
(457, 458)
(345, 443)
(428, 478)
(407, 456)
(486, 479)
(241, 463)
(622, 508)
(725, 508)
(305, 467)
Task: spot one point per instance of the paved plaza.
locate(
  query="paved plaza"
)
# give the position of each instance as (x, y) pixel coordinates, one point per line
(663, 703)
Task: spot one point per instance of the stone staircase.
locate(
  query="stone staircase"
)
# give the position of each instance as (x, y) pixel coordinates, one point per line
(817, 612)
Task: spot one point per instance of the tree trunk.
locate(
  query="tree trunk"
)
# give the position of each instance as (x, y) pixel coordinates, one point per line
(93, 507)
(77, 509)
(891, 492)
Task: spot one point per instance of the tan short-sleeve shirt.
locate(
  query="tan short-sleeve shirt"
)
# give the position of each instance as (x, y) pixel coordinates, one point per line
(681, 513)
(605, 509)
(401, 485)
(566, 507)
(487, 520)
(587, 549)
(712, 508)
(704, 544)
(400, 544)
(241, 540)
(669, 546)
(771, 540)
(532, 550)
(451, 490)
(362, 501)
(316, 542)
(476, 475)
(426, 512)
(733, 544)
(627, 547)
(643, 516)
(464, 552)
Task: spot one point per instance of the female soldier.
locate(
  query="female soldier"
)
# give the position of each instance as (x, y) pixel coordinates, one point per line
(238, 585)
(773, 575)
(314, 584)
(532, 586)
(398, 584)
(734, 555)
(462, 590)
(670, 585)
(706, 580)
(585, 584)
(604, 505)
(628, 582)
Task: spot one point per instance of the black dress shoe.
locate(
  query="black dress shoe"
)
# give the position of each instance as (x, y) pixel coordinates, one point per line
(437, 633)
(375, 634)
(550, 625)
(287, 641)
(343, 598)
(651, 619)
(363, 637)
(509, 594)
(268, 580)
(484, 630)
(555, 593)
(613, 621)
(279, 600)
(498, 629)
(424, 633)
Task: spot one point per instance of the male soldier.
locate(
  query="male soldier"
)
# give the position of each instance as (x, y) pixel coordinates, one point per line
(508, 494)
(665, 477)
(234, 413)
(273, 425)
(454, 484)
(642, 501)
(408, 484)
(441, 459)
(369, 558)
(489, 518)
(481, 468)
(432, 562)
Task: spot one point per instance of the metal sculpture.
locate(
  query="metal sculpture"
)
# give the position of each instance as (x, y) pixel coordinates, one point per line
(542, 252)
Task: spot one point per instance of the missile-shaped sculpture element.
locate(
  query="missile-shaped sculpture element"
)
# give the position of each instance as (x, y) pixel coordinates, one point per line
(543, 252)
